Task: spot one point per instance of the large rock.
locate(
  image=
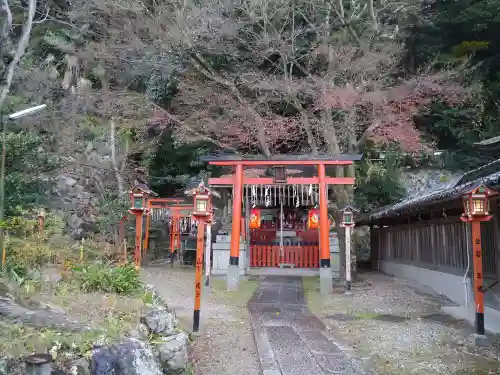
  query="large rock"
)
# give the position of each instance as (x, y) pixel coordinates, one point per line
(172, 351)
(129, 357)
(79, 366)
(159, 321)
(15, 313)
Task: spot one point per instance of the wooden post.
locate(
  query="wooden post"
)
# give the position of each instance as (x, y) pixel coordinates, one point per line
(138, 239)
(38, 364)
(234, 250)
(478, 275)
(121, 239)
(208, 252)
(324, 247)
(41, 222)
(348, 259)
(146, 232)
(325, 270)
(198, 275)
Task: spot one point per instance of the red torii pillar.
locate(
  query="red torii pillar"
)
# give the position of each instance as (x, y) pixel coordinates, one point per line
(233, 272)
(325, 269)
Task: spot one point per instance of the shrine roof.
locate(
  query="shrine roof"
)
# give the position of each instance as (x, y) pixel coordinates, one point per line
(490, 145)
(442, 193)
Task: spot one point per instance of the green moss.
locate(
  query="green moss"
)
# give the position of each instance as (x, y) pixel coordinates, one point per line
(237, 298)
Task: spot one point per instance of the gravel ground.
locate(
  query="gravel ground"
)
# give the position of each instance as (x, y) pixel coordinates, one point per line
(226, 345)
(396, 329)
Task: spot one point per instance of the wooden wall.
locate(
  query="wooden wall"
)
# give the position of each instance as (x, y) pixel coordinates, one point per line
(438, 244)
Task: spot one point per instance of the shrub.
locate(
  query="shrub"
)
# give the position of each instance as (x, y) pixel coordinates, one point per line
(101, 277)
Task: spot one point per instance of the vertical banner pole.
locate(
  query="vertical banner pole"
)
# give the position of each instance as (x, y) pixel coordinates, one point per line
(478, 275)
(208, 248)
(348, 258)
(198, 275)
(138, 239)
(146, 232)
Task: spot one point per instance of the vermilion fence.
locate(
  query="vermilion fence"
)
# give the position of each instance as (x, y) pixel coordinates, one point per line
(299, 256)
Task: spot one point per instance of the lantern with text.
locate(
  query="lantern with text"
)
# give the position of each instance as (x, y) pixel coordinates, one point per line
(139, 195)
(476, 210)
(138, 199)
(203, 213)
(202, 201)
(477, 204)
(255, 218)
(348, 217)
(313, 219)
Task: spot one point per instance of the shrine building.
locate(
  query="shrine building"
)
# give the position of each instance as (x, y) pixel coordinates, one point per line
(274, 215)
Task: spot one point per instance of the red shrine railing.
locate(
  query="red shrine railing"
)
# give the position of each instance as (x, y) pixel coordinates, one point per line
(299, 256)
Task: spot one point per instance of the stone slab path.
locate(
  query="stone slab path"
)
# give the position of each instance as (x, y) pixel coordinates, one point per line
(290, 339)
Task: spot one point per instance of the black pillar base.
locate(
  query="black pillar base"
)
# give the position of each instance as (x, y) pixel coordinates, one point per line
(196, 320)
(348, 285)
(324, 263)
(480, 323)
(234, 261)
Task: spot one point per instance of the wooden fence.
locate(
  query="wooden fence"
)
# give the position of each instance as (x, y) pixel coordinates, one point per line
(269, 256)
(441, 244)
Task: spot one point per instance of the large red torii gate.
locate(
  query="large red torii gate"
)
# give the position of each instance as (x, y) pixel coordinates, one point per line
(279, 164)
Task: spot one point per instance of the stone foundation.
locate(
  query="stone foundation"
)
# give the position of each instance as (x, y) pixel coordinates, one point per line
(220, 254)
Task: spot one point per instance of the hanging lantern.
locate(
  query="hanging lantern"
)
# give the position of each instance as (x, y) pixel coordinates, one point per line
(255, 218)
(313, 219)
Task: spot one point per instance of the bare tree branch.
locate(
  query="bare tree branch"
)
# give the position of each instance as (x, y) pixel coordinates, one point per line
(20, 50)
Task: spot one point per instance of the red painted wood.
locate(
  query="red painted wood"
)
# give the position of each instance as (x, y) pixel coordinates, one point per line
(299, 256)
(280, 162)
(290, 180)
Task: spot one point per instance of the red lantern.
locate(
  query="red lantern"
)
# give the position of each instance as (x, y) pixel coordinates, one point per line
(255, 218)
(313, 219)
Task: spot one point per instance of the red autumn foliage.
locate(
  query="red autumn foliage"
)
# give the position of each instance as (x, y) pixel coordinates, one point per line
(388, 113)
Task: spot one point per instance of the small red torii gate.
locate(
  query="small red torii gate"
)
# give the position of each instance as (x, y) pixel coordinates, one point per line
(179, 209)
(279, 163)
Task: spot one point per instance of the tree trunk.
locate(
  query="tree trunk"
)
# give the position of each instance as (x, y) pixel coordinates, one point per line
(20, 50)
(119, 179)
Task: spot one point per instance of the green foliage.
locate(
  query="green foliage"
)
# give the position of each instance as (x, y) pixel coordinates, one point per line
(456, 129)
(110, 209)
(101, 277)
(161, 89)
(26, 249)
(467, 48)
(378, 183)
(173, 164)
(454, 32)
(25, 163)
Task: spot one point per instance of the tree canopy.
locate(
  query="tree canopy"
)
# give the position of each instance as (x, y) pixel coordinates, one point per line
(163, 82)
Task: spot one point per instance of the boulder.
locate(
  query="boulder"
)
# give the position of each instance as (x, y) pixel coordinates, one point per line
(79, 366)
(159, 321)
(129, 357)
(172, 351)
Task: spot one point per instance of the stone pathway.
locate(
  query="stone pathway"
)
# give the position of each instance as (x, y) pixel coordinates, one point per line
(290, 339)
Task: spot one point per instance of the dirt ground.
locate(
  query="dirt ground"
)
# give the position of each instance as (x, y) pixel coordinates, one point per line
(226, 342)
(396, 329)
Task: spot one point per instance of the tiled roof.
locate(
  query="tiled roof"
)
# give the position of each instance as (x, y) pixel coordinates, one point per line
(437, 195)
